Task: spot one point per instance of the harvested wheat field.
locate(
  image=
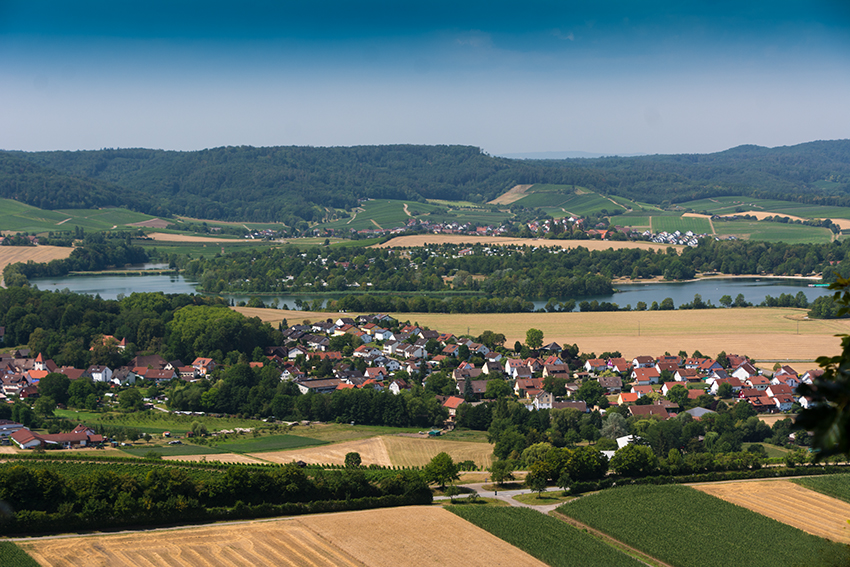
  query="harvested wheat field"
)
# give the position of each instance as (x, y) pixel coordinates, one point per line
(423, 239)
(415, 452)
(416, 537)
(38, 254)
(215, 457)
(372, 452)
(168, 237)
(512, 195)
(761, 333)
(790, 504)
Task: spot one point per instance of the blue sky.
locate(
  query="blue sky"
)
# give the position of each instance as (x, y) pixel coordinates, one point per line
(609, 77)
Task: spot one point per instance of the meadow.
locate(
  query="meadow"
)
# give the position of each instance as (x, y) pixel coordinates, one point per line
(550, 540)
(682, 224)
(382, 213)
(20, 217)
(157, 422)
(730, 205)
(687, 528)
(773, 232)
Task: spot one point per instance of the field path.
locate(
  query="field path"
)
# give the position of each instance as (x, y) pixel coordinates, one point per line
(376, 224)
(638, 554)
(64, 221)
(789, 503)
(407, 212)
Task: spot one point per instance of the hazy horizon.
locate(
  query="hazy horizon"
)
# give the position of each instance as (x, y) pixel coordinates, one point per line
(611, 78)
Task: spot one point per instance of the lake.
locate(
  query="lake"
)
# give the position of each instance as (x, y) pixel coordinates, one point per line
(754, 289)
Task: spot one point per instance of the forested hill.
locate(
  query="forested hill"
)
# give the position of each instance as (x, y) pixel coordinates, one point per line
(288, 184)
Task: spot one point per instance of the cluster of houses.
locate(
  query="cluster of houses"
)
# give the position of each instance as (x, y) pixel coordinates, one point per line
(20, 373)
(676, 237)
(385, 349)
(701, 376)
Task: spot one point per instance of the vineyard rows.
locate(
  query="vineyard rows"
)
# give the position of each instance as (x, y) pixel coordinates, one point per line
(548, 539)
(688, 528)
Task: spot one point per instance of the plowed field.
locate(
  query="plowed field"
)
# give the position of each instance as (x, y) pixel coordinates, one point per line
(416, 536)
(788, 503)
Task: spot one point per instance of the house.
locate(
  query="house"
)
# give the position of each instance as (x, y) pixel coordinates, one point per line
(321, 386)
(99, 373)
(670, 367)
(542, 400)
(612, 384)
(479, 388)
(697, 413)
(206, 365)
(642, 391)
(687, 375)
(149, 361)
(645, 376)
(649, 411)
(784, 402)
(626, 398)
(643, 362)
(736, 384)
(665, 389)
(596, 365)
(556, 371)
(762, 403)
(511, 365)
(81, 436)
(758, 382)
(466, 373)
(524, 385)
(397, 385)
(552, 347)
(451, 404)
(779, 390)
(579, 406)
(745, 371)
(7, 427)
(378, 373)
(365, 351)
(492, 368)
(618, 365)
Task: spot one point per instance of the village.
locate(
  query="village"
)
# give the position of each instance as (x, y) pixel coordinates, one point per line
(389, 355)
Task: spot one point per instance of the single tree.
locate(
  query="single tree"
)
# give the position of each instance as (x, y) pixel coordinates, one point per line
(441, 470)
(534, 338)
(352, 460)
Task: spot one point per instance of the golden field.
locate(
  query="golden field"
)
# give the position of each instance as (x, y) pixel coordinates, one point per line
(38, 254)
(423, 239)
(761, 333)
(409, 536)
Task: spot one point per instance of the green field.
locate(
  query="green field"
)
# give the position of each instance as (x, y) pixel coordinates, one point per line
(478, 216)
(682, 224)
(13, 556)
(156, 422)
(548, 539)
(773, 232)
(385, 214)
(238, 445)
(733, 204)
(204, 248)
(623, 220)
(835, 485)
(687, 528)
(25, 218)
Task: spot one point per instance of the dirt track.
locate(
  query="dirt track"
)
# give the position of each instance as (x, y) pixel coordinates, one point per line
(368, 538)
(513, 194)
(790, 504)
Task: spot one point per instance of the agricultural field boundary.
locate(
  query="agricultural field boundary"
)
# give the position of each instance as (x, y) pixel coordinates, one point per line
(789, 503)
(610, 540)
(512, 195)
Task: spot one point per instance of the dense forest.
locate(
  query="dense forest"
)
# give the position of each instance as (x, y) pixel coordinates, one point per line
(294, 184)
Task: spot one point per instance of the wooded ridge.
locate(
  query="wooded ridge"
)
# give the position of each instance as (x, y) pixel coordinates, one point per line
(293, 184)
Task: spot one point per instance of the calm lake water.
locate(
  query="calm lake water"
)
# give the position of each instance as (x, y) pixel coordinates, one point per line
(753, 289)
